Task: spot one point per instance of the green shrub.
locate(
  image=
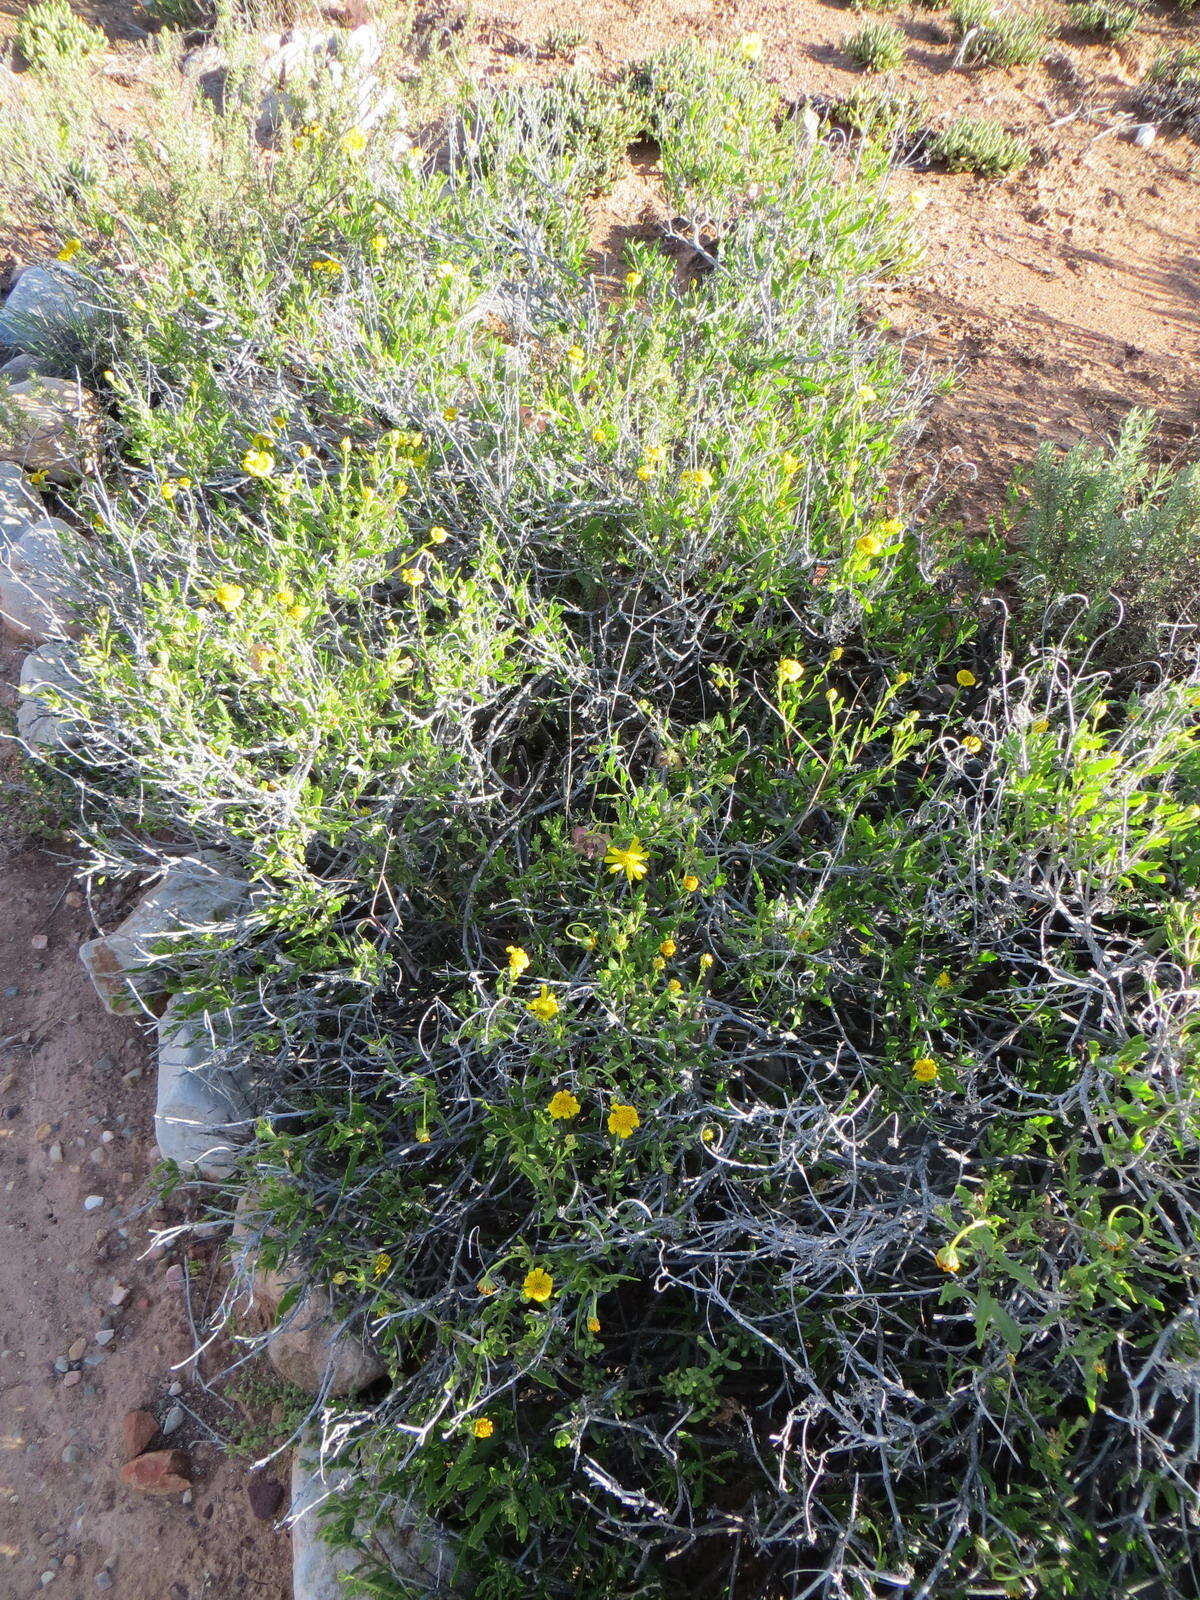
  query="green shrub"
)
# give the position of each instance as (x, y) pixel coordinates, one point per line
(182, 14)
(1119, 535)
(876, 47)
(997, 38)
(813, 1210)
(50, 36)
(980, 145)
(1171, 90)
(888, 115)
(1110, 19)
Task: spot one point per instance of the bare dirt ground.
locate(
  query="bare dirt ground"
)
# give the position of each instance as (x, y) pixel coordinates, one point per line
(1060, 298)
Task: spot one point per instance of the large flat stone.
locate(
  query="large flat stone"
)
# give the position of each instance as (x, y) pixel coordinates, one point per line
(50, 425)
(20, 507)
(44, 301)
(202, 1113)
(42, 723)
(39, 591)
(130, 965)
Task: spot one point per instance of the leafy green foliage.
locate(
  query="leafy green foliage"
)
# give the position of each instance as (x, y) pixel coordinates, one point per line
(51, 37)
(1171, 90)
(1109, 19)
(876, 47)
(724, 1000)
(998, 38)
(980, 145)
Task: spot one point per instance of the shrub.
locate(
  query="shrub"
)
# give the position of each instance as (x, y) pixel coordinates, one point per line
(1171, 90)
(1119, 536)
(890, 116)
(876, 47)
(980, 145)
(1110, 19)
(722, 1002)
(183, 14)
(50, 36)
(997, 38)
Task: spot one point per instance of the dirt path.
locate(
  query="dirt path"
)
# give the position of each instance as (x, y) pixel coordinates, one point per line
(76, 1125)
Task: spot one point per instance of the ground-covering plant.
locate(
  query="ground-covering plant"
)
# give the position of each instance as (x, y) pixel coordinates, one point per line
(723, 998)
(876, 47)
(1171, 88)
(1109, 19)
(997, 37)
(51, 36)
(980, 145)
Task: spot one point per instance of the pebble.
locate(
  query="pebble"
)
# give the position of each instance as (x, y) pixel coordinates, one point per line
(104, 1579)
(55, 1154)
(61, 1364)
(38, 942)
(173, 1420)
(93, 1202)
(46, 1579)
(71, 1454)
(176, 1388)
(105, 1336)
(265, 1496)
(119, 1295)
(71, 1379)
(1144, 135)
(107, 1137)
(76, 1349)
(42, 1132)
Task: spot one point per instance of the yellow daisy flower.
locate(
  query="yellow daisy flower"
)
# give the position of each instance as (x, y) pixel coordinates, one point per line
(593, 1324)
(538, 1285)
(353, 142)
(518, 960)
(790, 670)
(483, 1428)
(972, 744)
(667, 948)
(545, 1006)
(630, 859)
(965, 679)
(691, 882)
(70, 250)
(229, 596)
(258, 463)
(622, 1120)
(563, 1106)
(868, 544)
(925, 1069)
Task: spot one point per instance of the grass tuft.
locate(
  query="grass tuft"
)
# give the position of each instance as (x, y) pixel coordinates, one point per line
(980, 145)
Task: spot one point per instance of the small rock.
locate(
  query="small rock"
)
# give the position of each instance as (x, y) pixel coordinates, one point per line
(55, 1154)
(119, 1295)
(200, 1104)
(1144, 135)
(158, 1472)
(71, 1379)
(38, 942)
(173, 1277)
(44, 300)
(50, 425)
(138, 1431)
(42, 1131)
(93, 1202)
(71, 1454)
(76, 1350)
(46, 1579)
(62, 1363)
(105, 1336)
(175, 1388)
(173, 1420)
(265, 1496)
(104, 1579)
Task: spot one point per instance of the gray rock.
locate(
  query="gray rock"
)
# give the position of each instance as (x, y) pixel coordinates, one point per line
(50, 425)
(200, 1105)
(44, 300)
(173, 1420)
(93, 1202)
(310, 1347)
(40, 723)
(20, 507)
(420, 1554)
(128, 965)
(39, 591)
(20, 368)
(1144, 135)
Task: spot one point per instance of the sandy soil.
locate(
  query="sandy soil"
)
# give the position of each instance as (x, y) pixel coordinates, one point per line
(1060, 297)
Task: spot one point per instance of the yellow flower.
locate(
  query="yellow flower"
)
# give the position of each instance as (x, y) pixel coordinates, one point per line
(645, 473)
(1042, 725)
(538, 1285)
(413, 576)
(486, 1286)
(545, 1006)
(668, 948)
(450, 413)
(229, 596)
(654, 455)
(261, 657)
(382, 1265)
(790, 670)
(70, 250)
(484, 1428)
(341, 1277)
(696, 478)
(836, 653)
(866, 395)
(379, 243)
(518, 961)
(438, 535)
(630, 859)
(622, 1120)
(353, 142)
(750, 46)
(868, 545)
(942, 981)
(296, 613)
(659, 964)
(183, 483)
(168, 488)
(576, 355)
(965, 679)
(789, 464)
(633, 280)
(706, 961)
(889, 528)
(708, 1134)
(304, 451)
(446, 271)
(925, 1069)
(948, 1258)
(691, 882)
(674, 986)
(563, 1106)
(593, 1324)
(258, 463)
(972, 744)
(325, 264)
